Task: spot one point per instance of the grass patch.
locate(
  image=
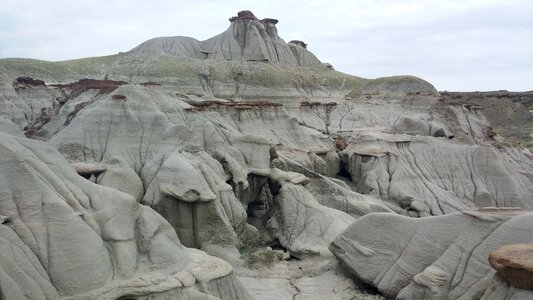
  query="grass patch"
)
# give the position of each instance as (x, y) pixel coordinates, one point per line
(253, 249)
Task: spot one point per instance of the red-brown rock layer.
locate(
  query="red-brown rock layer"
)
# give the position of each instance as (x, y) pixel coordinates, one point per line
(515, 264)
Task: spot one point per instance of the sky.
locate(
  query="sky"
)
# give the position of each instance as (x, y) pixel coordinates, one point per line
(464, 45)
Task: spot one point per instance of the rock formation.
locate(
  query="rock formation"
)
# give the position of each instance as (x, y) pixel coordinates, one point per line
(155, 165)
(63, 236)
(246, 39)
(433, 257)
(515, 264)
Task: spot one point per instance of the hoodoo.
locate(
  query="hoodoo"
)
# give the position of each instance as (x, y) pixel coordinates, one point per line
(246, 39)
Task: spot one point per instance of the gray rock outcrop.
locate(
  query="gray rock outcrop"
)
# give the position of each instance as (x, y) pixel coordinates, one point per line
(429, 176)
(62, 236)
(246, 39)
(442, 257)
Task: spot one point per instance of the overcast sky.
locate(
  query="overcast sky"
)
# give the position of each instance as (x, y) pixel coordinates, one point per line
(456, 45)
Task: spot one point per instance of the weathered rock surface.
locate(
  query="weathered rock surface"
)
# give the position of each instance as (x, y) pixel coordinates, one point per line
(430, 176)
(62, 236)
(443, 257)
(515, 264)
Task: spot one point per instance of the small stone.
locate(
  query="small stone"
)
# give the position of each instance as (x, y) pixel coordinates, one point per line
(246, 14)
(269, 21)
(515, 264)
(298, 43)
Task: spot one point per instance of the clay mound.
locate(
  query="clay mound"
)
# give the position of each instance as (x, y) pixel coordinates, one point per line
(515, 264)
(400, 86)
(181, 46)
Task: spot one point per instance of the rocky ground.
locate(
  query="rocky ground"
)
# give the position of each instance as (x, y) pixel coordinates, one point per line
(313, 278)
(162, 172)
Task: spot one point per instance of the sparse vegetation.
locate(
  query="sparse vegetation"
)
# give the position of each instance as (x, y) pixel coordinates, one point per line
(254, 251)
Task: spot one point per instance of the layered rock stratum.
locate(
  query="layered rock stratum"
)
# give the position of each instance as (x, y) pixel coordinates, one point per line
(141, 175)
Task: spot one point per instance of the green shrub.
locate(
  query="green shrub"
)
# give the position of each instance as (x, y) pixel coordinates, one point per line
(253, 249)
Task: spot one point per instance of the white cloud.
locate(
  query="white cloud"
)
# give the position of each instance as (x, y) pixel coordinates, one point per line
(457, 45)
